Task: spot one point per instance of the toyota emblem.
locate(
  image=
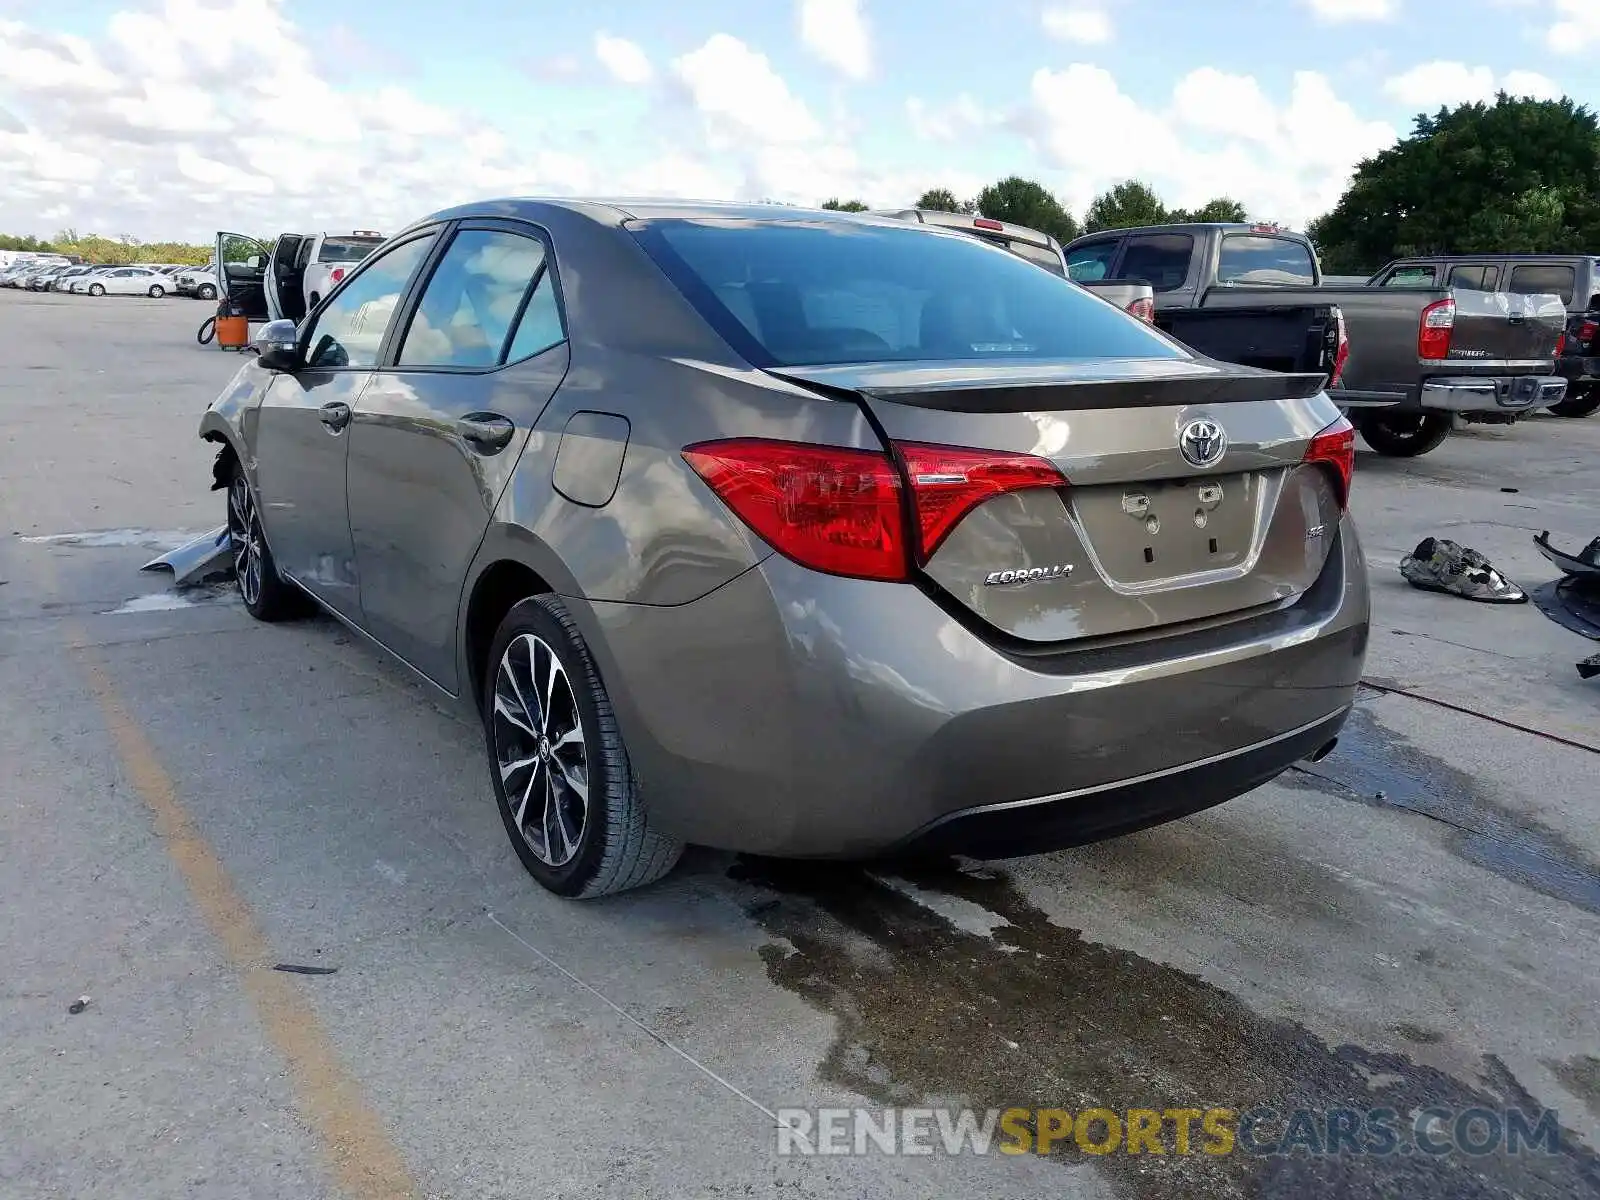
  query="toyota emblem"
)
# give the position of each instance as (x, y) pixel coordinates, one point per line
(1203, 442)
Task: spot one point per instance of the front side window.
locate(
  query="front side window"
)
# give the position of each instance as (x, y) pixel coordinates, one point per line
(1411, 277)
(1251, 258)
(1159, 259)
(1090, 262)
(472, 299)
(797, 292)
(349, 330)
(1530, 279)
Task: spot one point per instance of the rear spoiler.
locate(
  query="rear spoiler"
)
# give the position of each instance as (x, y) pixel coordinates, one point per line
(1086, 395)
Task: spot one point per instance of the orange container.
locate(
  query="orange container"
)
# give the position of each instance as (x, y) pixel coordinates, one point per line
(233, 333)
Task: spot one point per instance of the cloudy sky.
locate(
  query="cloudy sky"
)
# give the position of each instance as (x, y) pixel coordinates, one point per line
(171, 118)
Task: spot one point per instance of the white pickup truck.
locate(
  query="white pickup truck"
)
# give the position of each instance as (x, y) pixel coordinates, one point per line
(290, 279)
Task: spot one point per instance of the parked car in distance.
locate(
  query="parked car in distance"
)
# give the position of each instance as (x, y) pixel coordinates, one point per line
(63, 279)
(202, 283)
(1573, 277)
(1414, 359)
(123, 281)
(799, 533)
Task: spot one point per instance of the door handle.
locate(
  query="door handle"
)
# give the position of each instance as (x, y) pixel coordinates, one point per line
(489, 432)
(335, 415)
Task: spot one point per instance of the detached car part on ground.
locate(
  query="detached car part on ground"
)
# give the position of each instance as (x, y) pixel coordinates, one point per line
(804, 534)
(1406, 362)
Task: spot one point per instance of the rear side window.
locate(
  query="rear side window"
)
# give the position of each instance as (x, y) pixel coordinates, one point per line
(806, 292)
(472, 300)
(1411, 277)
(1478, 278)
(1534, 278)
(1248, 258)
(347, 249)
(1159, 259)
(1092, 261)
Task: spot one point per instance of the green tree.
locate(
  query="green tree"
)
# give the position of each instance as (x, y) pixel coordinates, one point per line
(944, 200)
(838, 205)
(1514, 175)
(1127, 204)
(1223, 208)
(1024, 202)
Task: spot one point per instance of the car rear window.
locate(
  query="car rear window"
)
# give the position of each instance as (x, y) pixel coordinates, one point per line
(806, 292)
(1251, 258)
(1530, 279)
(347, 249)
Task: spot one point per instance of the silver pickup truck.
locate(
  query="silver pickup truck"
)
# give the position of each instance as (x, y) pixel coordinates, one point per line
(1411, 361)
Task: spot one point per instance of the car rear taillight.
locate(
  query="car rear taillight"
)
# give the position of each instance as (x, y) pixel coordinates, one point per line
(1586, 332)
(1561, 345)
(948, 482)
(336, 274)
(1144, 308)
(1433, 332)
(843, 511)
(987, 223)
(827, 507)
(1334, 449)
(1342, 353)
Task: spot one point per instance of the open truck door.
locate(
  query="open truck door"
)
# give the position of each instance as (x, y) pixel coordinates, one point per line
(242, 263)
(286, 278)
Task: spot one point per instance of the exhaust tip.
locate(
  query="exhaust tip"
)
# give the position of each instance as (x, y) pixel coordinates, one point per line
(1323, 751)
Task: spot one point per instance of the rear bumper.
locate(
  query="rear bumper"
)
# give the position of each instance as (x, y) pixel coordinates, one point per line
(1478, 394)
(798, 714)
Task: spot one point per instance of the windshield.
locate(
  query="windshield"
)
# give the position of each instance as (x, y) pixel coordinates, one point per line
(347, 249)
(805, 292)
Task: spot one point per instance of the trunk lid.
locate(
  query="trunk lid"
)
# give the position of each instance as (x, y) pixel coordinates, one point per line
(1158, 525)
(1506, 327)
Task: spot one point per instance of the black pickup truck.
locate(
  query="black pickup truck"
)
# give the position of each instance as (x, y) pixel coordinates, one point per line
(1404, 362)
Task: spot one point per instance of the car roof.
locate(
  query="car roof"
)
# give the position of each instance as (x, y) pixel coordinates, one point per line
(1495, 256)
(613, 210)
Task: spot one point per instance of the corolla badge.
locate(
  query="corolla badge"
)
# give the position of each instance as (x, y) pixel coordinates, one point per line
(1203, 442)
(1028, 574)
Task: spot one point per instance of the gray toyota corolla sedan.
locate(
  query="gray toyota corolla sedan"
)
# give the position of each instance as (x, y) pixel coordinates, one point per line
(799, 533)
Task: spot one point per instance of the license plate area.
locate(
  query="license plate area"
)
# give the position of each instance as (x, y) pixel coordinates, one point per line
(1161, 529)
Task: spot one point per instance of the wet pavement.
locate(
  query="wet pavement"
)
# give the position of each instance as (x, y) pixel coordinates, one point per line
(1411, 924)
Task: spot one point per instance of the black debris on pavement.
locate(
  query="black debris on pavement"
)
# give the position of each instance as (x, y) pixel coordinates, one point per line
(299, 969)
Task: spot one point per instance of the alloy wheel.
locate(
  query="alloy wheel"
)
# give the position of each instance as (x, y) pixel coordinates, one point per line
(244, 532)
(539, 749)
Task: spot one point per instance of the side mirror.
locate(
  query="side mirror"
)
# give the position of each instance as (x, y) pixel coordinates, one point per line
(278, 346)
(255, 262)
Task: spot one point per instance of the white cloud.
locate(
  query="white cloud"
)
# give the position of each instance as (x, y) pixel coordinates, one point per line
(1431, 85)
(739, 94)
(1090, 26)
(1339, 11)
(1576, 29)
(947, 122)
(626, 61)
(836, 32)
(1220, 134)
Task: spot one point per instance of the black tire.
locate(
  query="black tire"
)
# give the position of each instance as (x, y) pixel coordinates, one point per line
(157, 291)
(615, 848)
(1580, 402)
(205, 292)
(1403, 434)
(267, 595)
(96, 290)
